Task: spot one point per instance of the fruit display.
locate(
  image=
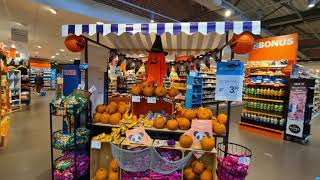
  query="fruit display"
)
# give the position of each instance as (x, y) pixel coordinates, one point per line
(197, 170)
(207, 143)
(268, 107)
(108, 174)
(268, 93)
(111, 113)
(185, 141)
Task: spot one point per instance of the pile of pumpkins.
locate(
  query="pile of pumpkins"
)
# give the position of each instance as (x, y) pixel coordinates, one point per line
(197, 170)
(160, 91)
(111, 113)
(104, 174)
(207, 143)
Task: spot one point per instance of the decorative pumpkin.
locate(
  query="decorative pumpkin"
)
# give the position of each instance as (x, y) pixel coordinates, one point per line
(184, 123)
(160, 91)
(115, 118)
(159, 122)
(97, 117)
(114, 165)
(206, 175)
(105, 118)
(185, 141)
(173, 92)
(188, 174)
(123, 108)
(222, 118)
(172, 124)
(136, 90)
(180, 111)
(198, 166)
(144, 84)
(101, 174)
(204, 114)
(242, 43)
(121, 103)
(207, 143)
(75, 43)
(148, 91)
(112, 108)
(114, 103)
(214, 123)
(219, 129)
(100, 108)
(113, 175)
(189, 114)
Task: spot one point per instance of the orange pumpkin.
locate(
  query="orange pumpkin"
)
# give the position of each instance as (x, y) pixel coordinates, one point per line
(207, 143)
(184, 123)
(115, 118)
(185, 141)
(97, 117)
(136, 90)
(113, 175)
(172, 124)
(105, 118)
(123, 108)
(222, 118)
(206, 175)
(100, 108)
(214, 123)
(219, 129)
(188, 174)
(189, 114)
(160, 91)
(198, 166)
(75, 43)
(114, 165)
(112, 108)
(172, 92)
(204, 114)
(159, 122)
(148, 91)
(242, 43)
(101, 174)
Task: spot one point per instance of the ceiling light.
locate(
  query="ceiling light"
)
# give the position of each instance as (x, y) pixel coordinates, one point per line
(13, 46)
(311, 3)
(62, 50)
(71, 60)
(57, 54)
(152, 21)
(53, 57)
(39, 47)
(100, 23)
(17, 52)
(228, 13)
(52, 11)
(36, 52)
(317, 70)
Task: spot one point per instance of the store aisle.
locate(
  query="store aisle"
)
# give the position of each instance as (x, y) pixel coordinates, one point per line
(27, 157)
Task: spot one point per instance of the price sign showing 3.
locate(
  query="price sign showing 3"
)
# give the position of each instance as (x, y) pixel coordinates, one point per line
(229, 81)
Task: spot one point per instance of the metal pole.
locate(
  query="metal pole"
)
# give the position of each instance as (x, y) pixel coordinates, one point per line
(86, 60)
(106, 87)
(98, 37)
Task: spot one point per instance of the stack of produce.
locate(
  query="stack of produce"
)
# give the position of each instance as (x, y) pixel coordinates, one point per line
(146, 90)
(111, 174)
(111, 113)
(197, 170)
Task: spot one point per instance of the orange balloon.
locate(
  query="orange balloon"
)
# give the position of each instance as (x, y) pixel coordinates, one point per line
(242, 43)
(75, 43)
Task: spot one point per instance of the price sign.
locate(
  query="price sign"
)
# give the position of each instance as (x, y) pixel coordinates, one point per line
(229, 83)
(152, 100)
(95, 145)
(135, 98)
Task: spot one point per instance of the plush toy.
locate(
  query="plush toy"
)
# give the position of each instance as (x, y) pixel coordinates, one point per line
(156, 64)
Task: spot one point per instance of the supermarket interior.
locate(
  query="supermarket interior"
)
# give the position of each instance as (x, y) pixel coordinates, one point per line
(159, 90)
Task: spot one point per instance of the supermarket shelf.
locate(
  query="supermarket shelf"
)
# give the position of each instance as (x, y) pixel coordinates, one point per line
(208, 87)
(261, 84)
(258, 74)
(262, 99)
(266, 67)
(261, 113)
(180, 88)
(278, 134)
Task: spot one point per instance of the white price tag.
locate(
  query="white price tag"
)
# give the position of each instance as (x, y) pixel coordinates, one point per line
(135, 98)
(95, 145)
(152, 100)
(229, 88)
(244, 160)
(189, 86)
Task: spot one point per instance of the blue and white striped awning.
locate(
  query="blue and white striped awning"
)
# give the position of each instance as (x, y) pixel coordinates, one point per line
(189, 28)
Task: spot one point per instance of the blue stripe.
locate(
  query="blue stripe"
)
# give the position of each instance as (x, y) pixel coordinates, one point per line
(193, 27)
(71, 29)
(176, 28)
(160, 29)
(211, 27)
(114, 28)
(99, 29)
(228, 26)
(145, 29)
(129, 28)
(85, 28)
(247, 26)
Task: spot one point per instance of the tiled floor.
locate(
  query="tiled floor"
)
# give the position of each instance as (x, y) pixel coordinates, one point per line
(27, 157)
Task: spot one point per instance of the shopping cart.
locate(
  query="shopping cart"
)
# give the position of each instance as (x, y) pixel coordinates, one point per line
(233, 161)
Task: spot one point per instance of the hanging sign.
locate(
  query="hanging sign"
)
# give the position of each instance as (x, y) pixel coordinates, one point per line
(19, 35)
(229, 83)
(296, 109)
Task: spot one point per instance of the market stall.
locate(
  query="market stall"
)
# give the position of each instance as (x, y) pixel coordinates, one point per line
(151, 136)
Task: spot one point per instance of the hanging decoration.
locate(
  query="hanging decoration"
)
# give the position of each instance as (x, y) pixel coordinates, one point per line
(242, 43)
(156, 64)
(75, 43)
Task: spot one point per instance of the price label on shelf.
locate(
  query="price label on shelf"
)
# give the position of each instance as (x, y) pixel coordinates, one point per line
(152, 100)
(189, 86)
(95, 145)
(135, 98)
(229, 83)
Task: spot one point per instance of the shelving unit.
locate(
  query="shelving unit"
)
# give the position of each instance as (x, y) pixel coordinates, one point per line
(194, 92)
(43, 67)
(4, 88)
(25, 85)
(316, 99)
(14, 79)
(209, 86)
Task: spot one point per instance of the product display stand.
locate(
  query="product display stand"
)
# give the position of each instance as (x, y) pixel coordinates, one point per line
(209, 85)
(14, 78)
(25, 84)
(194, 90)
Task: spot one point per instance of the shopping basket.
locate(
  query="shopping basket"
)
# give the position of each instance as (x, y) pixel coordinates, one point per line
(233, 161)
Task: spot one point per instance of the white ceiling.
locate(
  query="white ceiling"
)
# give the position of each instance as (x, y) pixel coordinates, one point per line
(44, 28)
